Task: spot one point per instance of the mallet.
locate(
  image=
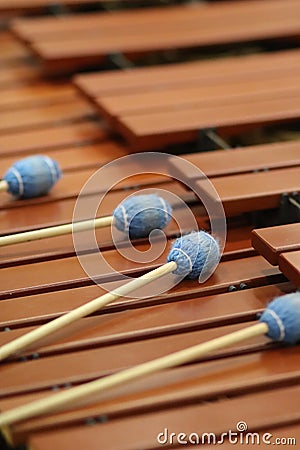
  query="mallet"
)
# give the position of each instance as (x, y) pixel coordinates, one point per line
(280, 322)
(138, 215)
(31, 177)
(192, 255)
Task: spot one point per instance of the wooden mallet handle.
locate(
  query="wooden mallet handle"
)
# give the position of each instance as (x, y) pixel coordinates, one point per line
(58, 230)
(69, 397)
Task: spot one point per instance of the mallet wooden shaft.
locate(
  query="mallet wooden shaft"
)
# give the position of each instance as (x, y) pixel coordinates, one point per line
(3, 186)
(58, 230)
(88, 308)
(71, 396)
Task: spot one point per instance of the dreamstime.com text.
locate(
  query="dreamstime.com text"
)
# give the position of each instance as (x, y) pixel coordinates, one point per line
(240, 436)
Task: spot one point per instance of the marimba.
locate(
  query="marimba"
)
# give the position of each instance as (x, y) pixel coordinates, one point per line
(166, 107)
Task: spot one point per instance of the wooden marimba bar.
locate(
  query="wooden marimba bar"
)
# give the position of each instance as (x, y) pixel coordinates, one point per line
(256, 382)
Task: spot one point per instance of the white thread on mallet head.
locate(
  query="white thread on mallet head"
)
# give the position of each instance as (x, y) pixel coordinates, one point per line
(279, 323)
(52, 168)
(19, 179)
(125, 217)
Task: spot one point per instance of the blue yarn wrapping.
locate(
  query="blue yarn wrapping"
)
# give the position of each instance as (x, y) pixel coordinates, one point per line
(283, 318)
(196, 254)
(140, 214)
(32, 177)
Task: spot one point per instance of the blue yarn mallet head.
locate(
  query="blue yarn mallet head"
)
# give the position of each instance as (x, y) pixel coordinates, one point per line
(196, 255)
(32, 177)
(283, 318)
(140, 214)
